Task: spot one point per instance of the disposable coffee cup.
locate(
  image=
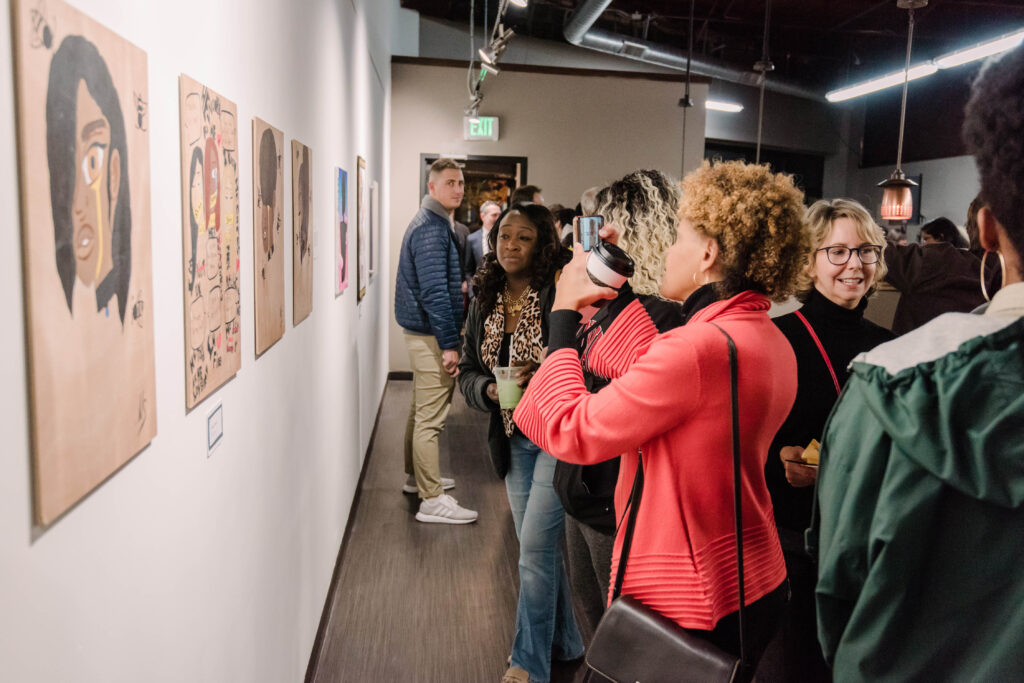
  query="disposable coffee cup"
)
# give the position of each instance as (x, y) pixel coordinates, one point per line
(607, 266)
(509, 391)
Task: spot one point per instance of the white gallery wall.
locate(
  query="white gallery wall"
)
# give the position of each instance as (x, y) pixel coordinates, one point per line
(576, 129)
(184, 567)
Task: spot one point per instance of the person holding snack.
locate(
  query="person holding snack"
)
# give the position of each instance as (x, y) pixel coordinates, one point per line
(671, 401)
(825, 333)
(506, 335)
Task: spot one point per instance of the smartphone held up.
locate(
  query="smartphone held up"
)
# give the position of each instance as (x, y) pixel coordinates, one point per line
(587, 231)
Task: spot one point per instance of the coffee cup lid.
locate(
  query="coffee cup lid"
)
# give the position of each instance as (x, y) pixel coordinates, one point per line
(614, 258)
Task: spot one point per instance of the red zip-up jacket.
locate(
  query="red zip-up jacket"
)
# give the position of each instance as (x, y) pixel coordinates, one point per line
(672, 400)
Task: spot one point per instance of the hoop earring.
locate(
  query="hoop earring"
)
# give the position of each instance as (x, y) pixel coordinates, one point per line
(1002, 267)
(694, 276)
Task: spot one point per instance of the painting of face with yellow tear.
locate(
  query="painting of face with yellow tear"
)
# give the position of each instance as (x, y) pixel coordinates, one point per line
(83, 155)
(86, 148)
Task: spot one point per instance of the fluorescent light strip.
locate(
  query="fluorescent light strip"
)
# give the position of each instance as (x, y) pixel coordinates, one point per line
(953, 59)
(520, 3)
(992, 47)
(723, 106)
(882, 83)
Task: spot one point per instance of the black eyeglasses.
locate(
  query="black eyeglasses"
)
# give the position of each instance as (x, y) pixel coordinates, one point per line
(838, 256)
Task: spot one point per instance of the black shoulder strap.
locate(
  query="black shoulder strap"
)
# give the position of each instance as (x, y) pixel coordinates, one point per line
(627, 540)
(737, 486)
(638, 486)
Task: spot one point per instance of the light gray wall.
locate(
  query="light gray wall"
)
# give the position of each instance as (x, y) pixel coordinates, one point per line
(576, 131)
(179, 567)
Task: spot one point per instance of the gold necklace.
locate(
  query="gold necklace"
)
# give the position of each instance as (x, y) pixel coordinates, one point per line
(514, 306)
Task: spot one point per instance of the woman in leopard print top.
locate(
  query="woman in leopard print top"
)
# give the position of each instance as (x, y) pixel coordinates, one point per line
(507, 326)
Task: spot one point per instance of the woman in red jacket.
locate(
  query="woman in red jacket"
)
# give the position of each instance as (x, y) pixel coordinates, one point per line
(740, 231)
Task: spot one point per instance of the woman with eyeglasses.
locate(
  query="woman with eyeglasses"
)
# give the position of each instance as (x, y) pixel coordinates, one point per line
(825, 333)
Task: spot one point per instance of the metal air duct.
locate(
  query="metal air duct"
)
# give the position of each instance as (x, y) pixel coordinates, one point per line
(579, 30)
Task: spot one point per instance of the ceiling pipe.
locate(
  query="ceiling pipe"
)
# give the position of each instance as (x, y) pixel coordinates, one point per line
(579, 30)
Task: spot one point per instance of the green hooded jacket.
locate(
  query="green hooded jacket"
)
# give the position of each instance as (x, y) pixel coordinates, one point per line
(921, 495)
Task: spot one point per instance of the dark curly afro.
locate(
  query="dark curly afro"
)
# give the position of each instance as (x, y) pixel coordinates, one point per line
(994, 134)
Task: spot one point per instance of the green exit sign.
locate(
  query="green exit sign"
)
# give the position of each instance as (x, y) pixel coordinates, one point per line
(480, 128)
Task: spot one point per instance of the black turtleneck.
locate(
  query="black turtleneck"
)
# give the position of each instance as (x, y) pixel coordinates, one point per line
(844, 333)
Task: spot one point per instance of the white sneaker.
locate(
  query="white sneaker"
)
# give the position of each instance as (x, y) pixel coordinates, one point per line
(410, 484)
(444, 510)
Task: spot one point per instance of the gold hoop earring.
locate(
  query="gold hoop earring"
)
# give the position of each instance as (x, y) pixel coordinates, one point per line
(694, 276)
(1002, 267)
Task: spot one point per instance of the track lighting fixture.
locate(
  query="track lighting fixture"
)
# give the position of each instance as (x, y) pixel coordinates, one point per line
(492, 53)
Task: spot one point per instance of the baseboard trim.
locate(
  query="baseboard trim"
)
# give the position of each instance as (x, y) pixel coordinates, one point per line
(400, 375)
(325, 614)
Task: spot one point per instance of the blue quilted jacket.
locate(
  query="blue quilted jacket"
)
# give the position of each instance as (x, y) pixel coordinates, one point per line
(428, 289)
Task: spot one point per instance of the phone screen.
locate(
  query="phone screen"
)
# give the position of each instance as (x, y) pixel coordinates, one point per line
(588, 229)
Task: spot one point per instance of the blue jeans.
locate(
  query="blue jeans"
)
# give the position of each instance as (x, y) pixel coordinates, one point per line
(545, 623)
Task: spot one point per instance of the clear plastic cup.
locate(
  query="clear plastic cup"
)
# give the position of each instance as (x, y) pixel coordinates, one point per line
(509, 392)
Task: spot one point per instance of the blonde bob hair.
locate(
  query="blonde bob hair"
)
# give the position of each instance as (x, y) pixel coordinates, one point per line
(643, 205)
(819, 220)
(756, 217)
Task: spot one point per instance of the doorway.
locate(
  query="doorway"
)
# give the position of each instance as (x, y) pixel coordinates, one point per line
(488, 178)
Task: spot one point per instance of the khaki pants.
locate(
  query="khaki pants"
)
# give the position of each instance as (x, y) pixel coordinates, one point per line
(431, 399)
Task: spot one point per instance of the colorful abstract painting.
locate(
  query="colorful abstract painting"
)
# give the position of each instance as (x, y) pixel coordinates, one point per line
(340, 231)
(83, 152)
(210, 212)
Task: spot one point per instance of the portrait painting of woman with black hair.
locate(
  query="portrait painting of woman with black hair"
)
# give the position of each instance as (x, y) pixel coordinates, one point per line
(268, 220)
(302, 232)
(84, 165)
(209, 199)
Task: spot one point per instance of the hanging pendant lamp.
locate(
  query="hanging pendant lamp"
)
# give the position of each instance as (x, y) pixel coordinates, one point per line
(897, 200)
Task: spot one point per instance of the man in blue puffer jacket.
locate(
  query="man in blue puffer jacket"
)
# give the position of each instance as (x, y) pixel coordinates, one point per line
(428, 306)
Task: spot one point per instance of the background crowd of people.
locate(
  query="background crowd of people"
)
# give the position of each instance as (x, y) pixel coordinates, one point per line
(890, 554)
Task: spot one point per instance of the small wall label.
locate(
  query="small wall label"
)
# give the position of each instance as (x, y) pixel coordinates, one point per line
(214, 428)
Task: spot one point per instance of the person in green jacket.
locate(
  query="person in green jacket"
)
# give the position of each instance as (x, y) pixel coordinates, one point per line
(921, 485)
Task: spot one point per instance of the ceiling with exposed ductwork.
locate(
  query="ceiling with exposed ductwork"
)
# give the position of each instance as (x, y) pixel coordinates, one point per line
(817, 45)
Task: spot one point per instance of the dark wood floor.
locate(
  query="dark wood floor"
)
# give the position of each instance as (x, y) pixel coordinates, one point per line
(426, 602)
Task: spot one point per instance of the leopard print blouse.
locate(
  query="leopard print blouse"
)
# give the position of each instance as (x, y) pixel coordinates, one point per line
(526, 344)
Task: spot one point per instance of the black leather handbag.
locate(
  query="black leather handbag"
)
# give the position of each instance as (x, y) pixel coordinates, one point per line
(635, 644)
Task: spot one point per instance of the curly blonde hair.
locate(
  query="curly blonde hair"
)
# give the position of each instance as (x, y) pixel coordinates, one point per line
(643, 205)
(756, 217)
(819, 219)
